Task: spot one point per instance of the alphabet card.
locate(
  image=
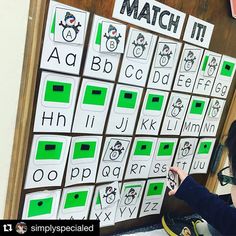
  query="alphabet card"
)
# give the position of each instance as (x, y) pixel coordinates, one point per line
(83, 160)
(137, 57)
(75, 203)
(56, 103)
(185, 153)
(202, 156)
(153, 197)
(164, 64)
(152, 112)
(124, 110)
(105, 45)
(207, 73)
(92, 107)
(113, 161)
(175, 113)
(212, 118)
(188, 68)
(131, 196)
(140, 158)
(64, 38)
(47, 161)
(224, 77)
(41, 205)
(163, 157)
(172, 180)
(195, 115)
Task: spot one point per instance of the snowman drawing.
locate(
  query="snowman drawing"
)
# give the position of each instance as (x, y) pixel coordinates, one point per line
(212, 66)
(177, 107)
(139, 45)
(110, 195)
(113, 38)
(186, 149)
(165, 55)
(70, 30)
(215, 109)
(130, 196)
(116, 150)
(189, 61)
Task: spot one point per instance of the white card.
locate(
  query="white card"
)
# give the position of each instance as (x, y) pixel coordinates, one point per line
(164, 64)
(172, 180)
(152, 112)
(124, 110)
(47, 161)
(83, 160)
(137, 57)
(41, 205)
(56, 103)
(92, 107)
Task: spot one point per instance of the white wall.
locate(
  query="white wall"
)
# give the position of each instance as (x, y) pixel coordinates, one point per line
(13, 18)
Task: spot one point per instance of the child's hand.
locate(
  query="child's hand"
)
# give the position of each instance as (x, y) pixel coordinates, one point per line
(182, 175)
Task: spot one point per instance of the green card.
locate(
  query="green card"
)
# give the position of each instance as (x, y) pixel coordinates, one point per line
(49, 150)
(99, 34)
(98, 200)
(95, 95)
(143, 148)
(206, 58)
(76, 199)
(204, 147)
(127, 99)
(154, 102)
(227, 68)
(57, 92)
(155, 189)
(84, 150)
(53, 23)
(39, 207)
(165, 149)
(197, 107)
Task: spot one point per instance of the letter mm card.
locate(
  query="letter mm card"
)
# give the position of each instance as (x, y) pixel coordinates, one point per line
(152, 112)
(83, 160)
(140, 158)
(163, 157)
(153, 197)
(41, 205)
(64, 38)
(137, 57)
(92, 107)
(202, 156)
(113, 161)
(47, 161)
(75, 203)
(56, 103)
(106, 44)
(188, 68)
(129, 203)
(164, 64)
(124, 110)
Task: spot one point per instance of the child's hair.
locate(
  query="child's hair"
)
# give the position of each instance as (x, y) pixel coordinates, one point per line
(230, 143)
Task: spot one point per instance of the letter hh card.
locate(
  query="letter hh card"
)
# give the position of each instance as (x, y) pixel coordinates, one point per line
(129, 203)
(47, 161)
(137, 57)
(124, 110)
(188, 68)
(83, 160)
(224, 77)
(106, 44)
(92, 107)
(41, 205)
(140, 158)
(153, 197)
(164, 64)
(56, 103)
(75, 203)
(114, 156)
(207, 73)
(212, 118)
(64, 38)
(202, 156)
(175, 113)
(152, 112)
(195, 115)
(163, 157)
(185, 153)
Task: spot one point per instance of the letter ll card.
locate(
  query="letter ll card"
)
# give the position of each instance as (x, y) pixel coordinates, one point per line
(172, 180)
(47, 161)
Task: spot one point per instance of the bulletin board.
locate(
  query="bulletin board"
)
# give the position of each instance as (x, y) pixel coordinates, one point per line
(109, 103)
